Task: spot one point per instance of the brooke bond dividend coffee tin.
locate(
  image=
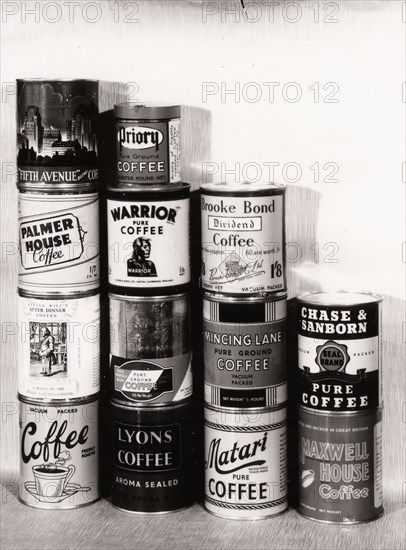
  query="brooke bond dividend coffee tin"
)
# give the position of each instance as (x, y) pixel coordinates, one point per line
(150, 359)
(244, 351)
(57, 132)
(59, 453)
(246, 463)
(148, 144)
(243, 238)
(149, 241)
(58, 242)
(59, 347)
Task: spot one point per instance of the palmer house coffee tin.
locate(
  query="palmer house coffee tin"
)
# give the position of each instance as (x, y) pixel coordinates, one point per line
(340, 351)
(243, 238)
(149, 241)
(59, 453)
(57, 142)
(153, 466)
(244, 343)
(148, 144)
(58, 242)
(150, 349)
(340, 466)
(59, 347)
(246, 463)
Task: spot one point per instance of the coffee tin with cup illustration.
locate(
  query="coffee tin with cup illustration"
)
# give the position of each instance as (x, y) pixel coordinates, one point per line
(59, 453)
(244, 342)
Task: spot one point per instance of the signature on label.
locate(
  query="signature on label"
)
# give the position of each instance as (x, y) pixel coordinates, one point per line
(234, 268)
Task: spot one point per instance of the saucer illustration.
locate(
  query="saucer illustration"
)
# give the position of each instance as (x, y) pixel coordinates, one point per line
(69, 490)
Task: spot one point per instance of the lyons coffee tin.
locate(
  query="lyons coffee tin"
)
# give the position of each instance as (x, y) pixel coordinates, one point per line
(58, 242)
(243, 238)
(245, 351)
(340, 351)
(57, 141)
(340, 466)
(59, 347)
(149, 241)
(246, 463)
(150, 359)
(59, 453)
(153, 467)
(148, 144)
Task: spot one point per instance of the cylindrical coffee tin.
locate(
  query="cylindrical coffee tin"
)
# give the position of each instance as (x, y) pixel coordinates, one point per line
(58, 242)
(150, 349)
(149, 241)
(59, 453)
(148, 144)
(153, 468)
(340, 466)
(246, 463)
(57, 141)
(244, 342)
(340, 351)
(59, 347)
(243, 238)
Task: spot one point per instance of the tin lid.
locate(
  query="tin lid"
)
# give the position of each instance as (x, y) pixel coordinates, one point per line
(245, 188)
(339, 298)
(243, 300)
(168, 192)
(57, 80)
(146, 111)
(144, 298)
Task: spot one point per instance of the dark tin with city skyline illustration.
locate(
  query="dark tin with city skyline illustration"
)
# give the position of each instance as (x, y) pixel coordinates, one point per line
(57, 142)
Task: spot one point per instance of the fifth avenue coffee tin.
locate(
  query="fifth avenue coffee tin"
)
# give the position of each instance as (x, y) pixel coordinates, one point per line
(59, 453)
(243, 238)
(244, 343)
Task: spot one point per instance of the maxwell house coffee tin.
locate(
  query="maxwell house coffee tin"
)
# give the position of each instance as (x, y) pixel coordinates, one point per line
(148, 144)
(243, 238)
(245, 350)
(149, 241)
(246, 463)
(340, 351)
(58, 242)
(153, 466)
(150, 349)
(57, 141)
(59, 453)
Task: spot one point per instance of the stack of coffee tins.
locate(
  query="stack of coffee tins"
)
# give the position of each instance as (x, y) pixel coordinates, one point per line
(244, 339)
(58, 292)
(148, 211)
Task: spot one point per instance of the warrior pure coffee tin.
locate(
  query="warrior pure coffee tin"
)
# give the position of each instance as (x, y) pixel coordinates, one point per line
(150, 359)
(57, 141)
(148, 144)
(59, 453)
(243, 238)
(59, 347)
(340, 466)
(245, 350)
(340, 351)
(58, 242)
(149, 241)
(246, 463)
(153, 467)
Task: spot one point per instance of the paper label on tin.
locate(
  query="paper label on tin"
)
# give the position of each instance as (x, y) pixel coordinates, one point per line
(59, 348)
(242, 244)
(58, 242)
(148, 243)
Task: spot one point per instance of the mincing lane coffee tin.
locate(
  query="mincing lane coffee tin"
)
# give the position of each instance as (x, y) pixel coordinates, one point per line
(243, 238)
(245, 351)
(58, 242)
(340, 351)
(153, 458)
(246, 463)
(150, 350)
(148, 144)
(149, 241)
(340, 466)
(59, 453)
(57, 142)
(59, 347)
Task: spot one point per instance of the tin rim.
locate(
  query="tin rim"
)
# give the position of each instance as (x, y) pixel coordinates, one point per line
(165, 298)
(331, 298)
(58, 296)
(244, 299)
(257, 518)
(58, 402)
(142, 187)
(45, 80)
(243, 189)
(120, 405)
(134, 111)
(153, 193)
(153, 512)
(58, 188)
(378, 411)
(264, 410)
(57, 508)
(326, 521)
